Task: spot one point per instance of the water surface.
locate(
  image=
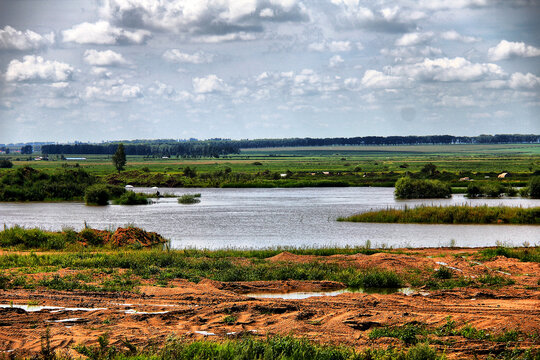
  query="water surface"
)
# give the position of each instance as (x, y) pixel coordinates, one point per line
(260, 218)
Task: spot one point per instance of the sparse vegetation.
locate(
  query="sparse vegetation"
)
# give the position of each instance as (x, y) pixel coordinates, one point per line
(274, 347)
(18, 237)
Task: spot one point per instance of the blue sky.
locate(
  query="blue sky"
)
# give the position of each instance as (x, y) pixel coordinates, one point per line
(127, 69)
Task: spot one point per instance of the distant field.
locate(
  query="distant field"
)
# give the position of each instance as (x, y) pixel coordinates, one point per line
(523, 149)
(492, 159)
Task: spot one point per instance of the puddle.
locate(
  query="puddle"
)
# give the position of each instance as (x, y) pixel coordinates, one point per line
(30, 308)
(131, 311)
(446, 265)
(205, 333)
(77, 309)
(298, 295)
(54, 309)
(67, 320)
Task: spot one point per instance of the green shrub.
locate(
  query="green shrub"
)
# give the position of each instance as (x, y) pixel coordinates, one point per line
(5, 164)
(189, 199)
(97, 195)
(407, 188)
(534, 187)
(407, 333)
(443, 273)
(490, 189)
(131, 198)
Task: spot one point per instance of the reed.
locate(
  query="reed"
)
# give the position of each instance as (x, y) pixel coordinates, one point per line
(459, 214)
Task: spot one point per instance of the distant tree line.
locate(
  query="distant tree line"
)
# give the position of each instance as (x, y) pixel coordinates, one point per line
(183, 149)
(390, 140)
(219, 147)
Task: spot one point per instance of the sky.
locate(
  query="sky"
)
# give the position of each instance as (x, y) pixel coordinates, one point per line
(97, 70)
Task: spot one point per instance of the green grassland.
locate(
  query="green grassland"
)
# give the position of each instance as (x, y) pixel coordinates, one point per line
(381, 165)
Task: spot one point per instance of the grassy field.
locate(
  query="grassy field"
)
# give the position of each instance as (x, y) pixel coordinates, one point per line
(483, 158)
(311, 166)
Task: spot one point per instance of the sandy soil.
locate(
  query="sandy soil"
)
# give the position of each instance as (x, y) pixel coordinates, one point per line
(197, 310)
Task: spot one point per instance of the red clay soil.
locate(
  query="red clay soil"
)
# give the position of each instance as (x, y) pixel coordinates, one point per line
(197, 310)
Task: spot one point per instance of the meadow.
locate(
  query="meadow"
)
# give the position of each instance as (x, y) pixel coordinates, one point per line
(310, 166)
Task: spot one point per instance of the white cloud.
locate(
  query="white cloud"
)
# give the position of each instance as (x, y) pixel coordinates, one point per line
(266, 13)
(209, 84)
(101, 72)
(112, 91)
(335, 61)
(416, 38)
(332, 46)
(411, 53)
(35, 68)
(507, 49)
(213, 39)
(451, 4)
(103, 33)
(104, 58)
(208, 17)
(12, 39)
(395, 19)
(445, 70)
(523, 81)
(455, 36)
(378, 80)
(176, 56)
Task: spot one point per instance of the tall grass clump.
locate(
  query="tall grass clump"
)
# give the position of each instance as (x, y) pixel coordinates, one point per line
(532, 189)
(131, 198)
(528, 254)
(187, 199)
(32, 238)
(407, 188)
(459, 214)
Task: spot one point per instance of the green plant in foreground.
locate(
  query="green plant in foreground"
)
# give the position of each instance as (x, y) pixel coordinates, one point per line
(230, 319)
(408, 333)
(275, 348)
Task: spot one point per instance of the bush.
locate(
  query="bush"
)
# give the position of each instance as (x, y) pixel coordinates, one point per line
(189, 199)
(407, 188)
(131, 198)
(28, 184)
(443, 273)
(489, 189)
(534, 187)
(5, 164)
(97, 195)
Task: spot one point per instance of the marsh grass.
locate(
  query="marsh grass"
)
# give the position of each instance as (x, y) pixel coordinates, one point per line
(458, 214)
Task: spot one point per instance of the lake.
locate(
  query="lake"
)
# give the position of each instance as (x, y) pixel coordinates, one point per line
(260, 218)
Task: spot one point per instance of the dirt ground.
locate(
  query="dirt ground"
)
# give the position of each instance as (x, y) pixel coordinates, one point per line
(192, 310)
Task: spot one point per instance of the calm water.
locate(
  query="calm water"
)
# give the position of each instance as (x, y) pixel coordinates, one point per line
(258, 218)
